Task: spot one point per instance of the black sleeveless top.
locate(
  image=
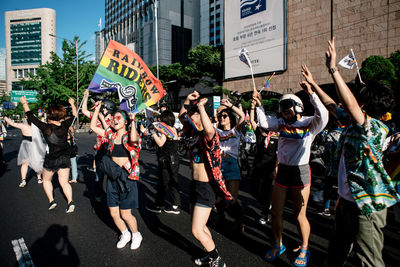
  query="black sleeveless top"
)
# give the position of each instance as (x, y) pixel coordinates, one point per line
(170, 148)
(27, 138)
(120, 151)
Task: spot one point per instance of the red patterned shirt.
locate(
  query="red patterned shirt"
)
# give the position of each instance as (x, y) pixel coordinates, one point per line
(133, 165)
(100, 141)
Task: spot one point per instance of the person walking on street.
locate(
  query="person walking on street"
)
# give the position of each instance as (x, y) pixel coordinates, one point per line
(120, 164)
(206, 172)
(297, 133)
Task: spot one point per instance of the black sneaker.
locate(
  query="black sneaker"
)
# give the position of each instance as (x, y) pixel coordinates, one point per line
(218, 262)
(154, 208)
(172, 210)
(70, 207)
(325, 213)
(206, 260)
(52, 205)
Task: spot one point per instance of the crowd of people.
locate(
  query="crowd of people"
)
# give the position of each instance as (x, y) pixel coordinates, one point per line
(355, 141)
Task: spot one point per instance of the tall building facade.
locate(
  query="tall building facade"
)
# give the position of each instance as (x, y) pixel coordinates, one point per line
(28, 43)
(100, 45)
(211, 22)
(132, 23)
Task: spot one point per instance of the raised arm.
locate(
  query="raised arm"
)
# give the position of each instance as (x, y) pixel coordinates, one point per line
(41, 125)
(252, 117)
(14, 124)
(346, 97)
(134, 137)
(237, 111)
(93, 123)
(209, 130)
(328, 102)
(85, 110)
(190, 97)
(71, 101)
(266, 122)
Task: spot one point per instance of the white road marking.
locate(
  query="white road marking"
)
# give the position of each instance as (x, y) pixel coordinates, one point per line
(22, 253)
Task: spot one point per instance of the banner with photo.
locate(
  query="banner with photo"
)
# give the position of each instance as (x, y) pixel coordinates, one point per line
(259, 26)
(121, 70)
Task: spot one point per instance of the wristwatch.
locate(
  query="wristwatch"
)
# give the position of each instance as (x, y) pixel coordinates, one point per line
(332, 70)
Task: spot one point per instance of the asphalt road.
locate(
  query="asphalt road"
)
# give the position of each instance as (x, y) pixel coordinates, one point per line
(88, 236)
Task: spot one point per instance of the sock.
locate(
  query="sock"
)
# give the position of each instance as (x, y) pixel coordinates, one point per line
(213, 253)
(126, 232)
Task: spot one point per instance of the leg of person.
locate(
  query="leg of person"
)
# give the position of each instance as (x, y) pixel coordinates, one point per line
(24, 171)
(74, 170)
(300, 201)
(63, 175)
(162, 186)
(234, 207)
(344, 232)
(130, 220)
(48, 187)
(369, 239)
(201, 232)
(278, 203)
(125, 236)
(173, 186)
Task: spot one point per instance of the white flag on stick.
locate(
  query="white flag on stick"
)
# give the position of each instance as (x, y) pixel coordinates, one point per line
(348, 61)
(244, 57)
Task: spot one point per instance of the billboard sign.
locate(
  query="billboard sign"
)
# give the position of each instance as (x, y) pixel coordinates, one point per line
(259, 26)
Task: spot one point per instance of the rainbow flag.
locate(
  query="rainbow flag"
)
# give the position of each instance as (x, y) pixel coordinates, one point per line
(121, 70)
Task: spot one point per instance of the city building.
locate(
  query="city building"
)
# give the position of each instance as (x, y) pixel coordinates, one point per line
(28, 42)
(132, 23)
(100, 45)
(369, 27)
(2, 70)
(212, 22)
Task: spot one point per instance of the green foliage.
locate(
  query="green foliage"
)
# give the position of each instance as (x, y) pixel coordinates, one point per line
(204, 61)
(378, 68)
(395, 59)
(56, 79)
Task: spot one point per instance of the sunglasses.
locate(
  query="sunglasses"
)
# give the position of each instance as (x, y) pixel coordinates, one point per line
(118, 117)
(224, 116)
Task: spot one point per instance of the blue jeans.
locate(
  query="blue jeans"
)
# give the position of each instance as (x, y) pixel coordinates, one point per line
(74, 168)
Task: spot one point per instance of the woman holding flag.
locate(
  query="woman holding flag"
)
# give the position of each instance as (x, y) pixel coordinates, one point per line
(122, 168)
(206, 172)
(168, 164)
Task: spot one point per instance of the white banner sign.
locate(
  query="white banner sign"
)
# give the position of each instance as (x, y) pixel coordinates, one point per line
(259, 26)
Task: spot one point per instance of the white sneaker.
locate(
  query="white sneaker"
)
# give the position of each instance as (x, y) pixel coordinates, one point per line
(124, 239)
(136, 240)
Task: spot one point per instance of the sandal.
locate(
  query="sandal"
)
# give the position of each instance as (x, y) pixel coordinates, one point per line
(40, 181)
(304, 259)
(272, 257)
(23, 183)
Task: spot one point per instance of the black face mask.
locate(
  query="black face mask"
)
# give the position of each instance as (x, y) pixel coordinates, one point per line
(287, 104)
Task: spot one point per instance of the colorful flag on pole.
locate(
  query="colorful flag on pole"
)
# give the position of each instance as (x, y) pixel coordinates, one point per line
(348, 61)
(164, 129)
(122, 70)
(244, 57)
(267, 84)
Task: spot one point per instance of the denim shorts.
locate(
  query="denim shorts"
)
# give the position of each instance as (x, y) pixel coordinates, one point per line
(202, 194)
(293, 176)
(125, 201)
(230, 169)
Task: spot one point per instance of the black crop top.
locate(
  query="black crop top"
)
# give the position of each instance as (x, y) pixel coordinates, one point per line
(119, 151)
(27, 138)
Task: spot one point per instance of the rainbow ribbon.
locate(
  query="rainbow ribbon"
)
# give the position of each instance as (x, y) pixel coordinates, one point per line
(192, 123)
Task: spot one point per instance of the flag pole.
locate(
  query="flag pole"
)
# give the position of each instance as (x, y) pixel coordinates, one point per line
(358, 70)
(77, 113)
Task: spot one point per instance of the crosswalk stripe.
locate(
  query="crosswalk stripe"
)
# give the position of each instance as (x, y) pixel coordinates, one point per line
(22, 253)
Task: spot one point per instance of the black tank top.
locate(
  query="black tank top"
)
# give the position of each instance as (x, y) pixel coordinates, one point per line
(27, 138)
(170, 148)
(119, 151)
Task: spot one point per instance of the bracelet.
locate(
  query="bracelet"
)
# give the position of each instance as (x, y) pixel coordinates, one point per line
(332, 70)
(24, 103)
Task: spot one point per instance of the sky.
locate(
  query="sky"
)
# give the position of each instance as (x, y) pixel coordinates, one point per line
(74, 17)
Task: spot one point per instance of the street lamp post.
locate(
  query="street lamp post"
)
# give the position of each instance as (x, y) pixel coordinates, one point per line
(77, 72)
(156, 32)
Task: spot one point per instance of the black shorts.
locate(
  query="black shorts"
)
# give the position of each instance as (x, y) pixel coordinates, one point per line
(202, 194)
(293, 176)
(54, 164)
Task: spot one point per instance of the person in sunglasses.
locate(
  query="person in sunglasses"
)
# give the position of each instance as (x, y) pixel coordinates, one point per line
(121, 166)
(297, 133)
(206, 172)
(228, 129)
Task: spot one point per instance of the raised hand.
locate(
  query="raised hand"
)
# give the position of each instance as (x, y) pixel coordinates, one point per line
(71, 101)
(23, 100)
(193, 96)
(306, 74)
(331, 54)
(306, 87)
(86, 93)
(98, 105)
(202, 102)
(226, 102)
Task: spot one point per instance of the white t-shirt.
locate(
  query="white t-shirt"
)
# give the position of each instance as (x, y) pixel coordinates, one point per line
(229, 141)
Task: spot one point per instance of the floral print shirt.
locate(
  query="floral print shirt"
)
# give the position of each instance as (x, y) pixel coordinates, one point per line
(369, 183)
(133, 166)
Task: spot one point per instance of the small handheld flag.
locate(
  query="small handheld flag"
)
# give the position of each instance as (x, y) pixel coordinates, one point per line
(244, 57)
(267, 83)
(192, 123)
(164, 129)
(349, 61)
